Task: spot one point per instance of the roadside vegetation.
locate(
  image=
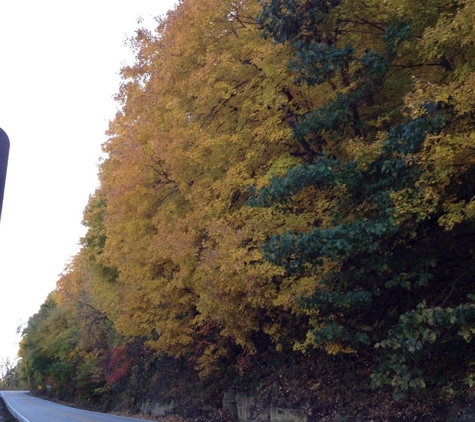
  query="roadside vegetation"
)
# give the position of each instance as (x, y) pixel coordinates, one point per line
(286, 207)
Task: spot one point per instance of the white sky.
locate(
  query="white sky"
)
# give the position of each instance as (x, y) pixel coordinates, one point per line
(59, 64)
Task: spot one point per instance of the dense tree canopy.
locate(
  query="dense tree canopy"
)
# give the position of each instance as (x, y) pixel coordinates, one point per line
(393, 263)
(286, 180)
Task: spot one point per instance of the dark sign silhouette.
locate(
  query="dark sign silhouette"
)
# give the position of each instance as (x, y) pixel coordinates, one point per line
(4, 150)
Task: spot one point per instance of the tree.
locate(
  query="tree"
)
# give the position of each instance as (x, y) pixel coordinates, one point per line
(9, 375)
(383, 251)
(204, 115)
(46, 349)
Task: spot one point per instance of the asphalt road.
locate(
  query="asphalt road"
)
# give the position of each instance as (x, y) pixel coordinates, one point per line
(31, 409)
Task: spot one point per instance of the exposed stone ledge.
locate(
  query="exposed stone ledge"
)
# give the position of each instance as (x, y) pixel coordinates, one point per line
(247, 408)
(156, 409)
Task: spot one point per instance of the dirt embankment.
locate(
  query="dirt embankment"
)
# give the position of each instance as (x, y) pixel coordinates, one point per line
(5, 415)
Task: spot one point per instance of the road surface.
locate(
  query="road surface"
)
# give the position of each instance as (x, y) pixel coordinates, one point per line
(31, 409)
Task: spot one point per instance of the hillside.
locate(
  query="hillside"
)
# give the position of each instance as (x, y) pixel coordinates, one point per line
(286, 209)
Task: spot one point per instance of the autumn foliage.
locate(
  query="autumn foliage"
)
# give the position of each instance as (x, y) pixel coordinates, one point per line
(288, 189)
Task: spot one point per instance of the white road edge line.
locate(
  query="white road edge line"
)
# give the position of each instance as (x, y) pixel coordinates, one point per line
(17, 415)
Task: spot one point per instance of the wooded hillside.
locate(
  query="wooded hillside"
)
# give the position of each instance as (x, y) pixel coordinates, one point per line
(286, 205)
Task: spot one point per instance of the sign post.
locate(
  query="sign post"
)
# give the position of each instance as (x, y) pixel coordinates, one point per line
(4, 150)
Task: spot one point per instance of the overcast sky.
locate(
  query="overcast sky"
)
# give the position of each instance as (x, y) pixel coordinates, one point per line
(59, 71)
